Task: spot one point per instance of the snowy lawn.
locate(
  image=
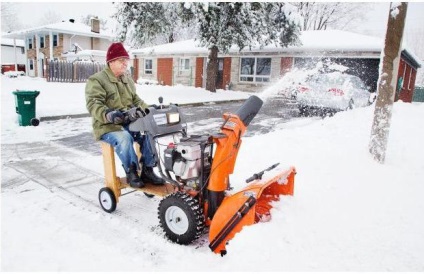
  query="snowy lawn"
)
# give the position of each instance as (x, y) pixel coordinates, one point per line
(348, 213)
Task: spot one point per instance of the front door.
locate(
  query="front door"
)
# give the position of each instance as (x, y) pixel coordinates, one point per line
(165, 73)
(31, 69)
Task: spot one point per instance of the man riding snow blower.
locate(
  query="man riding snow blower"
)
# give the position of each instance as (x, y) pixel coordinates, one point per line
(196, 170)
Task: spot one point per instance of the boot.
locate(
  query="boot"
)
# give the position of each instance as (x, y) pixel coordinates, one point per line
(133, 179)
(148, 175)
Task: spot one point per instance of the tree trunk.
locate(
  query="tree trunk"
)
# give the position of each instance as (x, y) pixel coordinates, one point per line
(387, 81)
(212, 69)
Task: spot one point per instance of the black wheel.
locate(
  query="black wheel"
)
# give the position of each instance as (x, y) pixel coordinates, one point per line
(34, 122)
(181, 218)
(107, 199)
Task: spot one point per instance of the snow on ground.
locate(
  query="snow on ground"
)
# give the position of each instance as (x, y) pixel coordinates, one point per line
(348, 213)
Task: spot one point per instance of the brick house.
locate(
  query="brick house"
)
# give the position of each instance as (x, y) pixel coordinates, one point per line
(54, 41)
(256, 68)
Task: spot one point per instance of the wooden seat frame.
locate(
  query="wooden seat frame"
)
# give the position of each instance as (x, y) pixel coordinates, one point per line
(116, 184)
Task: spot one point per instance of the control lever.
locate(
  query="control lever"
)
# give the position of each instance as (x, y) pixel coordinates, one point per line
(160, 102)
(258, 176)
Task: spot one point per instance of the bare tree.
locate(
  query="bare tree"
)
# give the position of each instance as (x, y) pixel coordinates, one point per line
(414, 37)
(8, 14)
(50, 17)
(387, 81)
(415, 40)
(86, 20)
(336, 15)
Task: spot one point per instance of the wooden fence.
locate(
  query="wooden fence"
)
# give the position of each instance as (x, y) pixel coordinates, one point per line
(72, 72)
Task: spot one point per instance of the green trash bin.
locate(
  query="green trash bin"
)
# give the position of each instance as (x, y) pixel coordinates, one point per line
(25, 107)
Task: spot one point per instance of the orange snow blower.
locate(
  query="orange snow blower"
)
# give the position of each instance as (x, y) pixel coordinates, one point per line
(196, 169)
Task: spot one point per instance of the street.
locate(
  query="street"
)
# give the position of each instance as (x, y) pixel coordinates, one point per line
(207, 119)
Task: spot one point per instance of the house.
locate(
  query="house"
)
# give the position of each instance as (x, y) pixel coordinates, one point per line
(12, 55)
(255, 69)
(55, 41)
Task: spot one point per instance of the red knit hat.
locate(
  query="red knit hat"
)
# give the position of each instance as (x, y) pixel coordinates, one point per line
(115, 51)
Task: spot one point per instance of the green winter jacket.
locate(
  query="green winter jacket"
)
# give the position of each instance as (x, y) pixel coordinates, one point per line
(104, 91)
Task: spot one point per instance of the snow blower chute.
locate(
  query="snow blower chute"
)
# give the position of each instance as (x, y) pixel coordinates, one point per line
(196, 170)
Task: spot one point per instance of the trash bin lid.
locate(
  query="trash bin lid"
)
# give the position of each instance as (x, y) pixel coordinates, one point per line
(26, 92)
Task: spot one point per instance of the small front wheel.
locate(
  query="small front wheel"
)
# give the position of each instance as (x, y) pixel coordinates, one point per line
(107, 199)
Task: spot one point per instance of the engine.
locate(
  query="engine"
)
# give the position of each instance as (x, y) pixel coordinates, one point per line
(187, 161)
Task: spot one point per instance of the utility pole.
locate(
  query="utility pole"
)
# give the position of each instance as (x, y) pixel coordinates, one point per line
(386, 87)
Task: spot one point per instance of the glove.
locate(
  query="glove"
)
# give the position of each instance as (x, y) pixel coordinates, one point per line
(114, 116)
(135, 113)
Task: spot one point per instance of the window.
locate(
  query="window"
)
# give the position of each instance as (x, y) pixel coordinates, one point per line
(404, 74)
(55, 40)
(148, 66)
(185, 64)
(410, 77)
(42, 42)
(31, 64)
(30, 46)
(255, 69)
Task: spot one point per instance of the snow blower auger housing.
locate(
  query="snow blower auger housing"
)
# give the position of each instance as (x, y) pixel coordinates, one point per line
(196, 169)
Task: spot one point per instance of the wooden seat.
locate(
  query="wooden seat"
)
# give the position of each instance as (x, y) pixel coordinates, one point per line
(116, 183)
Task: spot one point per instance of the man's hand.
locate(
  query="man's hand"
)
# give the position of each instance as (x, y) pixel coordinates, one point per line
(135, 113)
(114, 116)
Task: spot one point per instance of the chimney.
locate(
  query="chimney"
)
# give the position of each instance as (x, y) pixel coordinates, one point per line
(95, 24)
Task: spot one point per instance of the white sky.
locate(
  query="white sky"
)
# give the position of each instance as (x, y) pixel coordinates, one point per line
(76, 9)
(374, 23)
(66, 10)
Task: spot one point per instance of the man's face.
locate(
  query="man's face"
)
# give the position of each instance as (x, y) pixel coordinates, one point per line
(119, 66)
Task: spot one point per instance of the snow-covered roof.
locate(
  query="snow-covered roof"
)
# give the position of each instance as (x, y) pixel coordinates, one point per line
(312, 43)
(181, 47)
(329, 40)
(336, 40)
(9, 42)
(66, 27)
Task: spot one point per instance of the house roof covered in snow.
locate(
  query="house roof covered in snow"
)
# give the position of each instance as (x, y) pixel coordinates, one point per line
(66, 27)
(10, 42)
(313, 43)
